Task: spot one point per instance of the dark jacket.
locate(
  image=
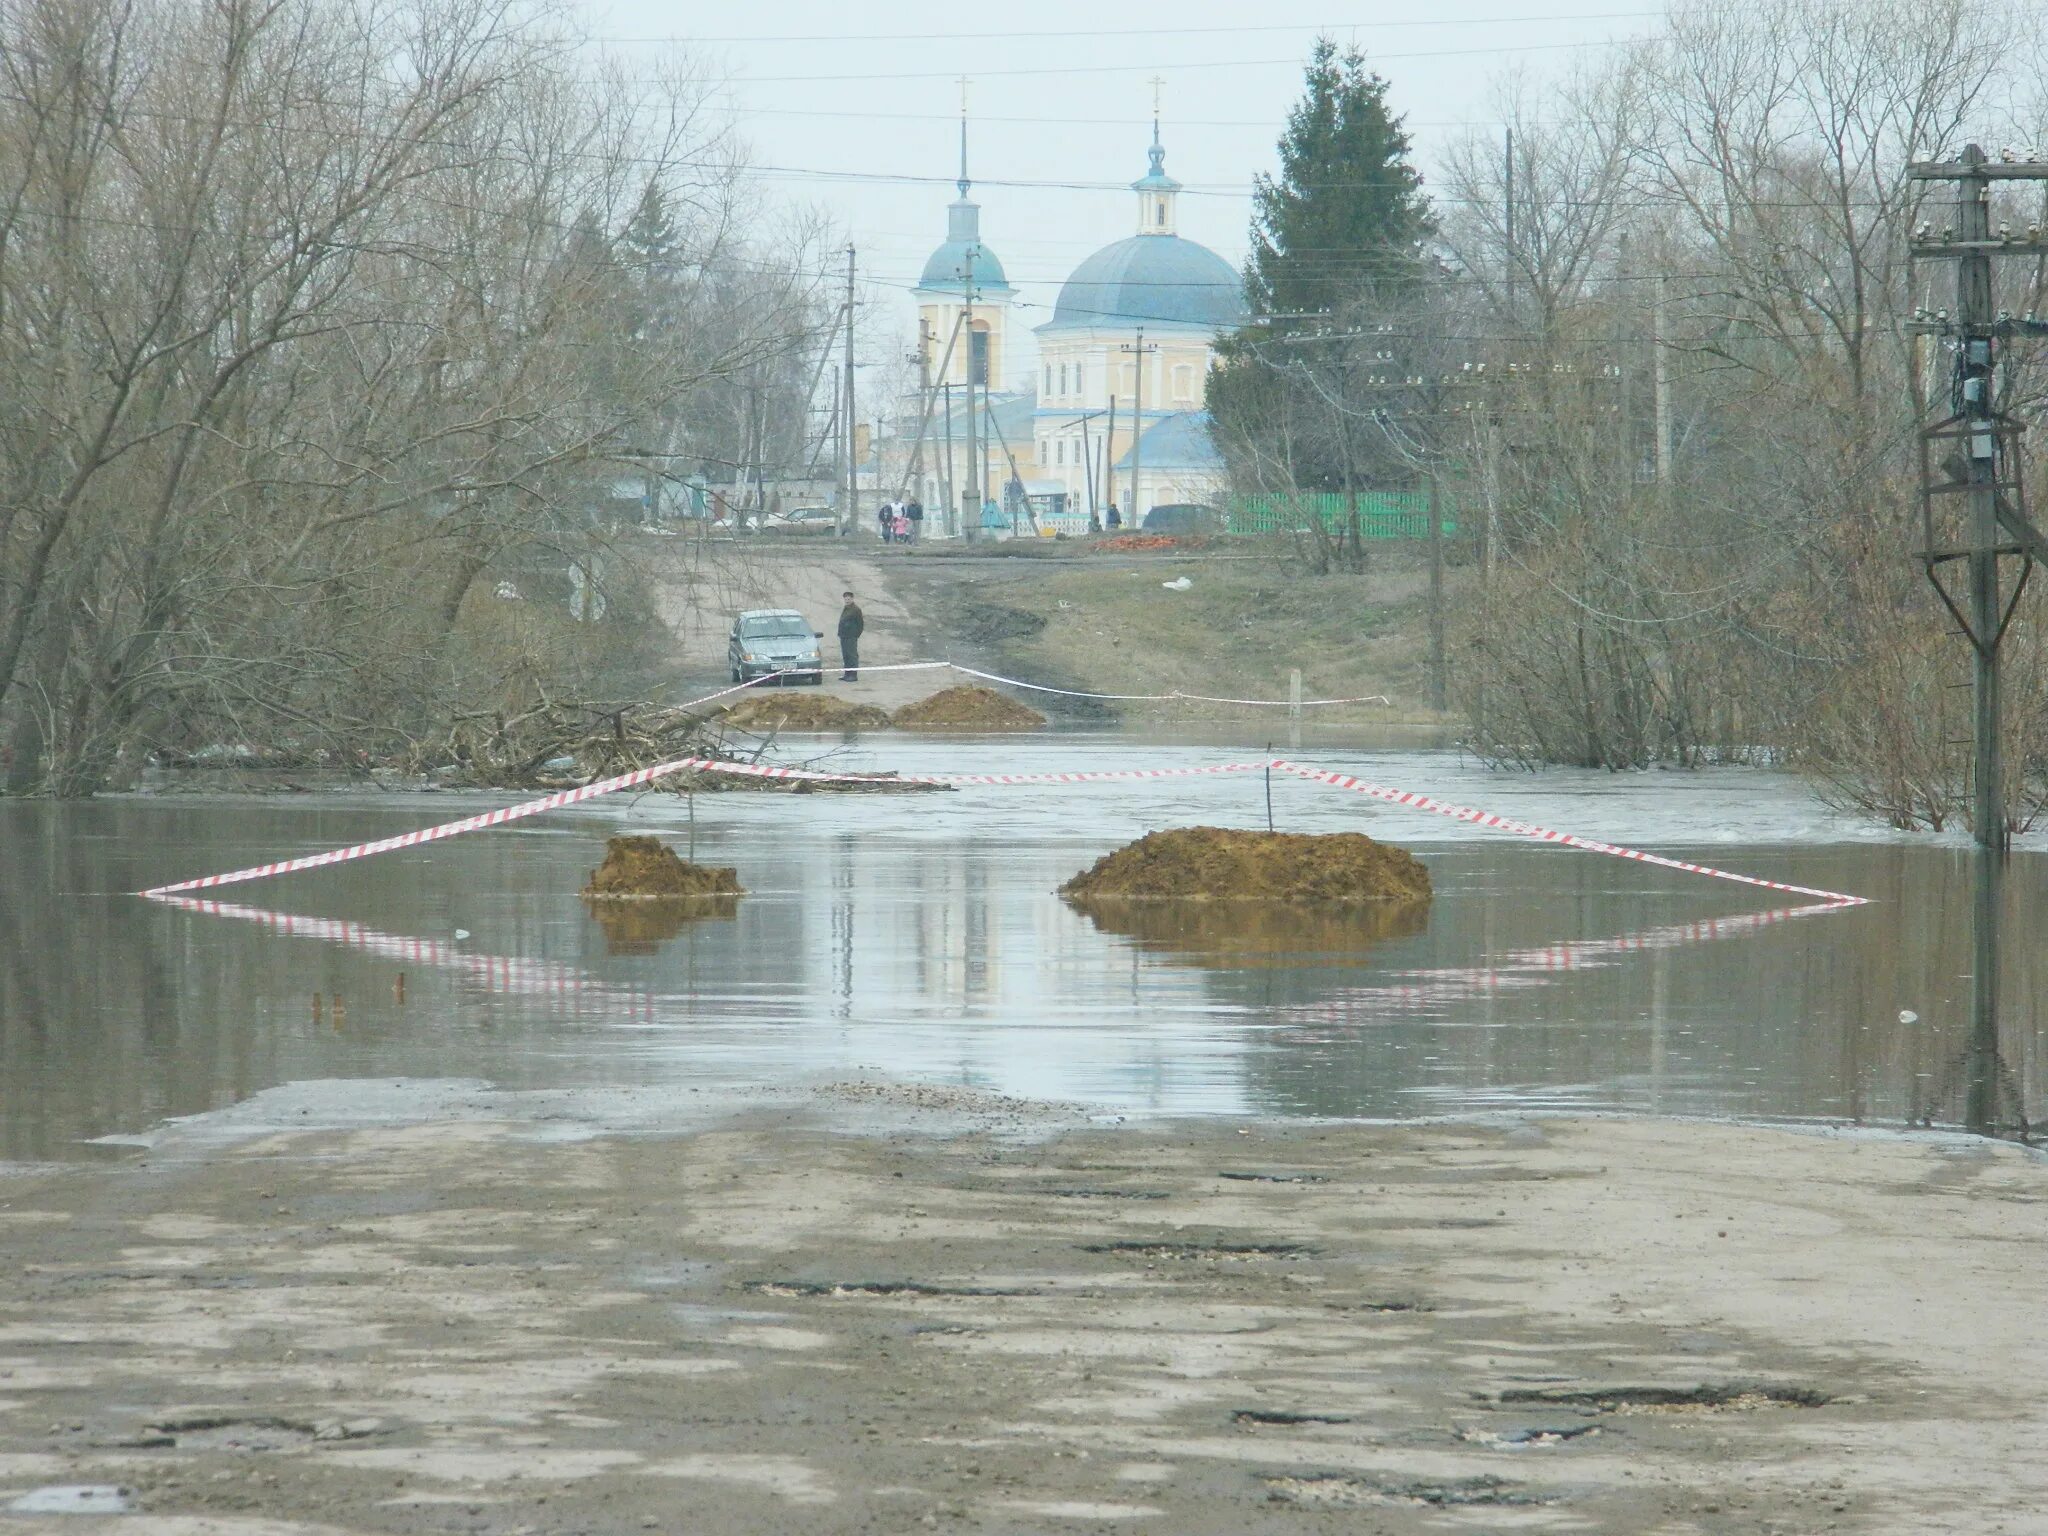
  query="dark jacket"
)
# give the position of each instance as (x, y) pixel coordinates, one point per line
(851, 622)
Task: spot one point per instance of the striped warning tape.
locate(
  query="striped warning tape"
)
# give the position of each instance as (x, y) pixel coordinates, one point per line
(639, 776)
(1479, 818)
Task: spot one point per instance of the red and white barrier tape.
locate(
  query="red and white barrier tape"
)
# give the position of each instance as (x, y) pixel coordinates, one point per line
(641, 776)
(1162, 698)
(1478, 818)
(1175, 697)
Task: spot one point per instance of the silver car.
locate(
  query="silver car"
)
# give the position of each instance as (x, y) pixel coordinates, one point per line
(768, 641)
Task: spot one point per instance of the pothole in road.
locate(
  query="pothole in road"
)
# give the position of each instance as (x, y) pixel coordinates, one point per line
(210, 1433)
(1104, 1194)
(1265, 1418)
(1236, 1251)
(1738, 1397)
(1523, 1439)
(1343, 1490)
(850, 1290)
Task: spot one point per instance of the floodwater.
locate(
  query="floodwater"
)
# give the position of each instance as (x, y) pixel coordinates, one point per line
(917, 937)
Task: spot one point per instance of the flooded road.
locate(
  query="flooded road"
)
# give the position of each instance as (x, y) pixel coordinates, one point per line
(918, 937)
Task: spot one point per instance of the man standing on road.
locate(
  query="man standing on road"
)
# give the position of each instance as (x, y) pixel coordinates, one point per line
(915, 512)
(851, 623)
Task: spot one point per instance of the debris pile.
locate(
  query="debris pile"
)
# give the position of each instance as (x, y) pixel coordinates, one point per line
(1132, 543)
(636, 867)
(719, 780)
(969, 707)
(552, 745)
(1217, 864)
(780, 711)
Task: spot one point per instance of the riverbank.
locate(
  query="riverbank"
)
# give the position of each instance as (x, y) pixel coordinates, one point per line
(869, 1307)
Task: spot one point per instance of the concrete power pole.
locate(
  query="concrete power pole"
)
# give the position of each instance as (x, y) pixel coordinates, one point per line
(849, 514)
(1973, 514)
(970, 527)
(1134, 517)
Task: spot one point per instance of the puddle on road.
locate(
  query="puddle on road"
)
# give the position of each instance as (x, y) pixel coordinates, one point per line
(922, 940)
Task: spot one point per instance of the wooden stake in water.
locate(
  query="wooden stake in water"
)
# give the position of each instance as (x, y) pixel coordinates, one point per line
(1269, 782)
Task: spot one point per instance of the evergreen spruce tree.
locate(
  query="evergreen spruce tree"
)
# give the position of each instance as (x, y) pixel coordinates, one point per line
(1338, 233)
(1346, 214)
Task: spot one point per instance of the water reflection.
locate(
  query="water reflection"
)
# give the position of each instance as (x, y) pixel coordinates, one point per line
(641, 927)
(1232, 935)
(926, 942)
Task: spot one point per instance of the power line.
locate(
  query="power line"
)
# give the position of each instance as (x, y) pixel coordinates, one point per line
(1064, 33)
(1293, 62)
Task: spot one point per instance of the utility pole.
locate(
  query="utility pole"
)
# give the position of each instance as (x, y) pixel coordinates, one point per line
(1437, 689)
(1134, 517)
(952, 505)
(924, 405)
(1108, 480)
(1972, 456)
(849, 507)
(971, 526)
(1507, 167)
(1660, 363)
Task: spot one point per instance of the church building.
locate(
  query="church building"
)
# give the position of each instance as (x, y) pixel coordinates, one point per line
(1124, 363)
(1114, 413)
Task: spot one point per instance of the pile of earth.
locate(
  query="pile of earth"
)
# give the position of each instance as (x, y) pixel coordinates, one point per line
(803, 712)
(1218, 864)
(969, 707)
(636, 867)
(1236, 935)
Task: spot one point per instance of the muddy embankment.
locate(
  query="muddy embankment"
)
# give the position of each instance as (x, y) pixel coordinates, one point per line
(983, 1315)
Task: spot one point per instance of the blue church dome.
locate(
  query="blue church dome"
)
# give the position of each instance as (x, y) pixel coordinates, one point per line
(1159, 279)
(951, 262)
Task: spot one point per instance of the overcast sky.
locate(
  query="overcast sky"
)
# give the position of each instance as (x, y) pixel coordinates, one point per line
(1060, 98)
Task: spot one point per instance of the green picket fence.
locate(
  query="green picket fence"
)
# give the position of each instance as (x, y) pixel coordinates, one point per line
(1381, 514)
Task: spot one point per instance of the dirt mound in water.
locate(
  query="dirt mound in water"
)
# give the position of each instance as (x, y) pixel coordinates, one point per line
(1215, 864)
(1235, 935)
(804, 712)
(969, 708)
(636, 867)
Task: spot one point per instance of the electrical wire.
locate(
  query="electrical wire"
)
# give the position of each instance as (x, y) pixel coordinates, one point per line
(1065, 33)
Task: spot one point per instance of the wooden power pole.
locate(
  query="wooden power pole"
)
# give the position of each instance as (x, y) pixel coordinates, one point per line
(1974, 517)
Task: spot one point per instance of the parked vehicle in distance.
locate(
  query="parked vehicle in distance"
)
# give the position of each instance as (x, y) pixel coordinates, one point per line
(1183, 517)
(767, 641)
(802, 520)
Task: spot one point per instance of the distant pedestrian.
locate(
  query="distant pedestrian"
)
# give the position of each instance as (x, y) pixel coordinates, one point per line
(885, 519)
(851, 622)
(1112, 519)
(915, 512)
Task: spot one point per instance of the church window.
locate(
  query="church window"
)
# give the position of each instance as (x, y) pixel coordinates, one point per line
(1183, 382)
(1063, 378)
(1159, 213)
(977, 356)
(1059, 450)
(1048, 378)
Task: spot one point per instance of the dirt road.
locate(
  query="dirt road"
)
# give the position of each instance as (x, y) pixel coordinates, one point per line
(700, 598)
(986, 1316)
